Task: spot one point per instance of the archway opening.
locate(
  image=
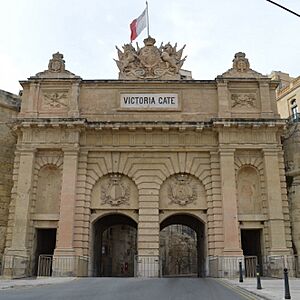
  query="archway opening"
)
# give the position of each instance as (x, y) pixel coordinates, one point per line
(182, 246)
(115, 246)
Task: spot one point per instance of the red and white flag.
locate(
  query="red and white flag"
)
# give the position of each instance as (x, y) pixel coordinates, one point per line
(138, 25)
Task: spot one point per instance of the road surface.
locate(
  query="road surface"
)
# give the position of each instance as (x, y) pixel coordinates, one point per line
(127, 289)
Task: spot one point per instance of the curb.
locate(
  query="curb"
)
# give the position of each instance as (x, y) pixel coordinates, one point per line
(242, 291)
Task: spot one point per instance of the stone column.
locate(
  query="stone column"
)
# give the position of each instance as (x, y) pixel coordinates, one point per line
(17, 255)
(64, 264)
(148, 231)
(277, 238)
(229, 202)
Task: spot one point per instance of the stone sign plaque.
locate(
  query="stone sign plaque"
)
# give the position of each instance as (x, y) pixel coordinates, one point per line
(149, 101)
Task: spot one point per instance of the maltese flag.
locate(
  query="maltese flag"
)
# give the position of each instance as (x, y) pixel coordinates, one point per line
(138, 25)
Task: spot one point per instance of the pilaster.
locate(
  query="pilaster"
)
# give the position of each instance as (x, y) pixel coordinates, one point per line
(223, 102)
(23, 195)
(65, 232)
(273, 190)
(229, 202)
(148, 231)
(18, 253)
(266, 108)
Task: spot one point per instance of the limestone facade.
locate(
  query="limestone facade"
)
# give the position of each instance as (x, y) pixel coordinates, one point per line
(215, 158)
(9, 107)
(288, 100)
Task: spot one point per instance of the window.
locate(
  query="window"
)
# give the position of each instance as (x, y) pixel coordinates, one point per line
(294, 109)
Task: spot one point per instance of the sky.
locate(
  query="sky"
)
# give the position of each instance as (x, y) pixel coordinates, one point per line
(86, 32)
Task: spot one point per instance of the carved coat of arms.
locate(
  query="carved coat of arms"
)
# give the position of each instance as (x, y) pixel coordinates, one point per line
(150, 62)
(115, 192)
(181, 191)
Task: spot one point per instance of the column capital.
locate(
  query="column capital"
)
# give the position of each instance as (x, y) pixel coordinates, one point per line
(26, 151)
(270, 152)
(71, 151)
(226, 151)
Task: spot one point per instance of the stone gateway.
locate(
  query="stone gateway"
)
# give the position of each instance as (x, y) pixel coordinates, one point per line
(100, 179)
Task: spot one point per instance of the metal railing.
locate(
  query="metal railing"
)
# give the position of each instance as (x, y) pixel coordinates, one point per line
(147, 266)
(271, 266)
(62, 266)
(294, 118)
(250, 266)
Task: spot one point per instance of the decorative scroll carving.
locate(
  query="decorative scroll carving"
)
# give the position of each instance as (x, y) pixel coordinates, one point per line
(150, 62)
(241, 68)
(115, 192)
(243, 100)
(181, 190)
(56, 99)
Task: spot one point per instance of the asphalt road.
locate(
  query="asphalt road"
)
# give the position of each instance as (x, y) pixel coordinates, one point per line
(127, 289)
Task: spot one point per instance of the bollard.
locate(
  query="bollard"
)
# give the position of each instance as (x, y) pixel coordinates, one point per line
(287, 294)
(258, 283)
(241, 272)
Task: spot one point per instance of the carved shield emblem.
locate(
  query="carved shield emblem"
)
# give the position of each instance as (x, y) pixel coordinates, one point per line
(149, 56)
(181, 192)
(115, 192)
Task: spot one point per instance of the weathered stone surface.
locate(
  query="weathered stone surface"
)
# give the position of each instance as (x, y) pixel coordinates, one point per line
(9, 106)
(216, 159)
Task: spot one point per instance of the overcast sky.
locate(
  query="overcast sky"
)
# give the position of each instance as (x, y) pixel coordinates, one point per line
(86, 32)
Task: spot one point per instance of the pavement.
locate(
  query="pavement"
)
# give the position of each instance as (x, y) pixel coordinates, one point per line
(272, 289)
(28, 282)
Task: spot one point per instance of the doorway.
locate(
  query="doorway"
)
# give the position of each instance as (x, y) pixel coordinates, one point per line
(182, 246)
(115, 246)
(251, 245)
(45, 244)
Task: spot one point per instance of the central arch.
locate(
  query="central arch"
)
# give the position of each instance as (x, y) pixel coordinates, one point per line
(115, 246)
(182, 246)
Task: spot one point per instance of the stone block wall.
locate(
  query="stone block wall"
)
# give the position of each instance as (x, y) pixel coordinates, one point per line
(9, 106)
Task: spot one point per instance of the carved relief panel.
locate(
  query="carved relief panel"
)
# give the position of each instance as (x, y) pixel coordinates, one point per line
(182, 191)
(114, 191)
(54, 100)
(249, 192)
(48, 190)
(243, 100)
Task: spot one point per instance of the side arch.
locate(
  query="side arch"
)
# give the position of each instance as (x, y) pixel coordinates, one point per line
(182, 247)
(114, 245)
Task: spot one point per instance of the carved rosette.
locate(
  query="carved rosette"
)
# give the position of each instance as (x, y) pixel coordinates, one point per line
(181, 190)
(115, 192)
(243, 100)
(150, 62)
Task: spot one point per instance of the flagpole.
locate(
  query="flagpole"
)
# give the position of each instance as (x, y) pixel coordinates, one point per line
(147, 19)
